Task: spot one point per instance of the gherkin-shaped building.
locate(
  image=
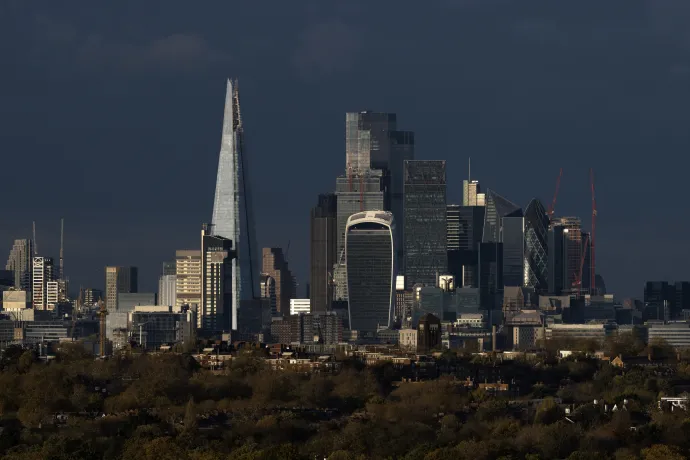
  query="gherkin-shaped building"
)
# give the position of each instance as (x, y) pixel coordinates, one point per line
(536, 258)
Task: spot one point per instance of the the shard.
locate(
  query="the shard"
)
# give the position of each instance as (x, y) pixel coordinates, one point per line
(233, 216)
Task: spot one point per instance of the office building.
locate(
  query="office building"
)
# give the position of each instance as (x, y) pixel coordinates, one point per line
(20, 263)
(536, 263)
(155, 326)
(275, 266)
(490, 283)
(513, 239)
(470, 193)
(371, 269)
(425, 252)
(216, 309)
(676, 335)
(42, 273)
(167, 290)
(233, 214)
(188, 282)
(268, 293)
(119, 280)
(572, 231)
(557, 276)
(497, 207)
(354, 194)
(92, 296)
(52, 295)
(300, 306)
(324, 235)
(170, 268)
(128, 301)
(428, 333)
(467, 231)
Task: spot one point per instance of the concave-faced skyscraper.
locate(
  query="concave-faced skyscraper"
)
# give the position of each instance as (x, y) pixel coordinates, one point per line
(233, 216)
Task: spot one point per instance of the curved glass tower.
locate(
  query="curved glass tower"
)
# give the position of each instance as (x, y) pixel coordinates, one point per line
(370, 253)
(233, 216)
(536, 246)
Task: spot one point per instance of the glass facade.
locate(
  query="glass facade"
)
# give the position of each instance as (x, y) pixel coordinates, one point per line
(536, 247)
(323, 252)
(370, 270)
(513, 239)
(426, 254)
(497, 207)
(233, 216)
(216, 289)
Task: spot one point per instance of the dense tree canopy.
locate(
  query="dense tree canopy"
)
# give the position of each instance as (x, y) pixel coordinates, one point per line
(135, 407)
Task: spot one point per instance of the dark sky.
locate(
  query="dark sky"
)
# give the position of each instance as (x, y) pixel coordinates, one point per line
(110, 116)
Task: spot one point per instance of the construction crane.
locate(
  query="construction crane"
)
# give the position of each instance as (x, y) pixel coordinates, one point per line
(552, 208)
(102, 313)
(593, 233)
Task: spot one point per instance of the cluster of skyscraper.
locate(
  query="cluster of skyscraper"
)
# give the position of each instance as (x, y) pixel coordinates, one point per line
(388, 226)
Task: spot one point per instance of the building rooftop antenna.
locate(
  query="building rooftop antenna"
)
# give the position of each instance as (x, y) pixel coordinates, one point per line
(34, 237)
(62, 254)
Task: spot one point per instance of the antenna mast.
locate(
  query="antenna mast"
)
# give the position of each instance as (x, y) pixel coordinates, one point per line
(62, 254)
(34, 238)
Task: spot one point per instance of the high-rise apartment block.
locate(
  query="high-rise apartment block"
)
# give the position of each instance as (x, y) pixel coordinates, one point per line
(188, 281)
(275, 266)
(119, 280)
(20, 263)
(324, 235)
(216, 313)
(233, 214)
(42, 273)
(371, 270)
(426, 255)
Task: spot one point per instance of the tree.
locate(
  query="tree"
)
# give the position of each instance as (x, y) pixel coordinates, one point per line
(662, 452)
(190, 423)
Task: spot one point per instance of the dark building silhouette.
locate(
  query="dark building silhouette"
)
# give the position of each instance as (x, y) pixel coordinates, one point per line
(425, 222)
(497, 207)
(428, 333)
(465, 225)
(659, 299)
(557, 277)
(536, 247)
(275, 266)
(513, 239)
(490, 256)
(324, 244)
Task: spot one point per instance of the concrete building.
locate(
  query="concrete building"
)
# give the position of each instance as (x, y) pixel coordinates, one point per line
(154, 326)
(167, 290)
(52, 295)
(675, 334)
(42, 273)
(275, 265)
(188, 281)
(300, 306)
(119, 280)
(596, 332)
(127, 301)
(407, 339)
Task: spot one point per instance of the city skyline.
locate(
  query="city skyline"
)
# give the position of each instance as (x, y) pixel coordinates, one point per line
(565, 106)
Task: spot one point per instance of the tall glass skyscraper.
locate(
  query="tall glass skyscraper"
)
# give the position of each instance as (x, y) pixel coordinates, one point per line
(233, 216)
(513, 239)
(425, 222)
(371, 268)
(536, 247)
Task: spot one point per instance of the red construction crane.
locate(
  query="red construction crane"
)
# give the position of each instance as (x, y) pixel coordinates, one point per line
(593, 233)
(552, 208)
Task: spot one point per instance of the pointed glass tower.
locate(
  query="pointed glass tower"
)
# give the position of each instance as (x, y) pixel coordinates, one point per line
(233, 216)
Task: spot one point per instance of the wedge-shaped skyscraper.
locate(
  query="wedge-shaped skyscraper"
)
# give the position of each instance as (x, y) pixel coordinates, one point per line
(233, 216)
